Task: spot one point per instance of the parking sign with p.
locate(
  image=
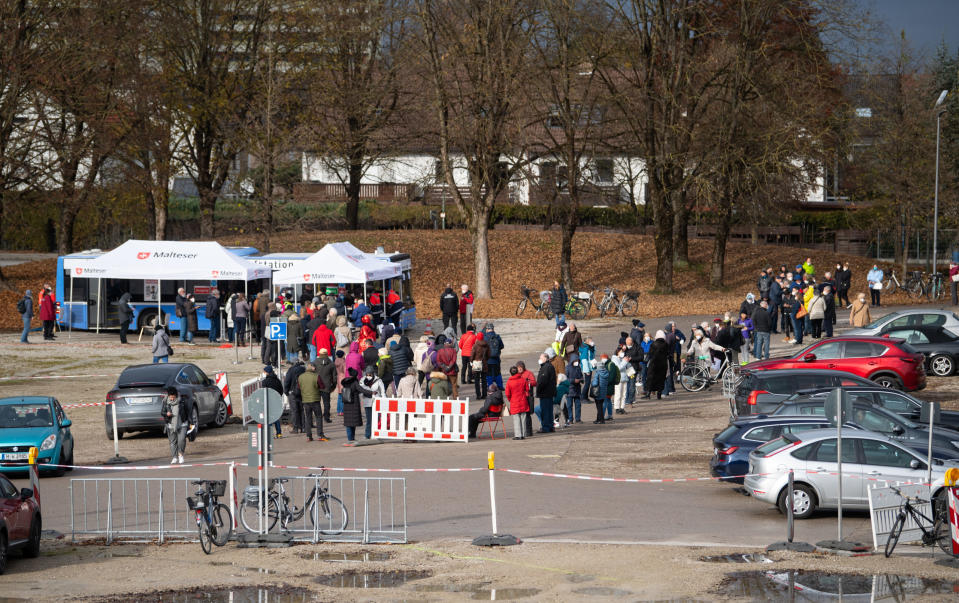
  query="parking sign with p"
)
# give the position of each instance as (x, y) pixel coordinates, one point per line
(277, 331)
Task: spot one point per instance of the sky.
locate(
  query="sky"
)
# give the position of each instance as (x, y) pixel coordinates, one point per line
(926, 22)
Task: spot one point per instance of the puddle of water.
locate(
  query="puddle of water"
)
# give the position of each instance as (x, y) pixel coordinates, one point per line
(579, 578)
(820, 585)
(602, 591)
(259, 570)
(737, 558)
(482, 591)
(240, 594)
(361, 557)
(387, 579)
(112, 555)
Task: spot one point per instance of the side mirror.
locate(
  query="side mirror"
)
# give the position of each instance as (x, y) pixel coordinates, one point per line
(914, 464)
(809, 357)
(26, 493)
(66, 423)
(898, 430)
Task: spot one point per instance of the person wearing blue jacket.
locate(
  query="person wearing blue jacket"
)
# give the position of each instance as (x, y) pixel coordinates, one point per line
(874, 278)
(644, 345)
(600, 385)
(775, 300)
(359, 311)
(587, 353)
(575, 379)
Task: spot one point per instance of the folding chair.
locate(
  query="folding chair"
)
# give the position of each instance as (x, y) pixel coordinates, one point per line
(497, 420)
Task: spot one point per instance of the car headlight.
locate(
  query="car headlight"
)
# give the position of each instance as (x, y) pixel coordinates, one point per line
(49, 442)
(955, 443)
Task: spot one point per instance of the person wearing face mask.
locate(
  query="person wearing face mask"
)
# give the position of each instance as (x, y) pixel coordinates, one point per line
(370, 387)
(587, 353)
(700, 347)
(874, 279)
(598, 387)
(843, 283)
(619, 389)
(859, 314)
(574, 374)
(545, 391)
(644, 346)
(659, 363)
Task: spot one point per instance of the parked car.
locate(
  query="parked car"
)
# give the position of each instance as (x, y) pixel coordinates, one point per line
(901, 403)
(731, 446)
(871, 417)
(888, 361)
(812, 457)
(938, 344)
(34, 421)
(913, 317)
(760, 391)
(140, 390)
(20, 522)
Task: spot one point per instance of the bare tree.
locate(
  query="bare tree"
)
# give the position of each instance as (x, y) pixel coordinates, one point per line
(355, 88)
(477, 59)
(210, 52)
(570, 42)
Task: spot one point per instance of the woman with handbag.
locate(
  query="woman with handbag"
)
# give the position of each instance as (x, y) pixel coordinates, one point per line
(797, 315)
(161, 345)
(479, 355)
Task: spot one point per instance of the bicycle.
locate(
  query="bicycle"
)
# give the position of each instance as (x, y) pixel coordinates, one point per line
(935, 287)
(892, 283)
(541, 306)
(326, 512)
(213, 519)
(915, 285)
(574, 308)
(940, 533)
(613, 304)
(694, 377)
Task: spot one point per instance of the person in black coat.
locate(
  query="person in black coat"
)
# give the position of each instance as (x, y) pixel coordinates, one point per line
(492, 407)
(402, 360)
(352, 406)
(293, 395)
(557, 302)
(829, 314)
(843, 283)
(775, 301)
(126, 315)
(546, 392)
(450, 307)
(657, 365)
(271, 381)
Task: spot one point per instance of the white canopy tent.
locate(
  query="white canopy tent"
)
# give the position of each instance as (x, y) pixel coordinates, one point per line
(169, 260)
(338, 263)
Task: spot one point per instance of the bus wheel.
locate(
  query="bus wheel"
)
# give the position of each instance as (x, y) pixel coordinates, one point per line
(148, 318)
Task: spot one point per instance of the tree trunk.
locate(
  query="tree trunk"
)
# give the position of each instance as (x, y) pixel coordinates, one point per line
(568, 229)
(354, 175)
(267, 213)
(161, 205)
(718, 271)
(754, 233)
(207, 211)
(681, 229)
(68, 218)
(151, 211)
(479, 237)
(663, 221)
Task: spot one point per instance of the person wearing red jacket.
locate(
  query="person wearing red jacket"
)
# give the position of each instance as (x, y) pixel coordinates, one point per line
(530, 378)
(466, 307)
(367, 331)
(517, 393)
(48, 312)
(323, 338)
(466, 351)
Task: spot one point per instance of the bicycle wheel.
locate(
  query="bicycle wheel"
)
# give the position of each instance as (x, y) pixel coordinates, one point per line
(629, 307)
(693, 378)
(521, 307)
(915, 289)
(547, 312)
(941, 528)
(937, 291)
(329, 515)
(206, 539)
(890, 285)
(248, 516)
(576, 309)
(221, 525)
(895, 532)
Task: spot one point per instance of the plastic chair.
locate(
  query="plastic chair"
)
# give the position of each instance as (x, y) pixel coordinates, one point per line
(497, 420)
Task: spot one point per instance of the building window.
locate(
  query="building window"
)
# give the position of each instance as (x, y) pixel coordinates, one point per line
(438, 174)
(863, 111)
(604, 170)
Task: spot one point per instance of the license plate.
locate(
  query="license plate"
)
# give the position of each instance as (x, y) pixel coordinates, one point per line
(140, 400)
(13, 456)
(715, 451)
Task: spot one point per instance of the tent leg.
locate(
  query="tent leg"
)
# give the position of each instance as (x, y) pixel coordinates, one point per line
(70, 311)
(99, 307)
(159, 308)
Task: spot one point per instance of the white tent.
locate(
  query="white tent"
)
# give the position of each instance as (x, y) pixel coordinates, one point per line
(338, 263)
(173, 260)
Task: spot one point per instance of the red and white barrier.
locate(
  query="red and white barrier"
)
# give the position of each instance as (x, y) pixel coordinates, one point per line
(420, 419)
(954, 520)
(86, 404)
(223, 383)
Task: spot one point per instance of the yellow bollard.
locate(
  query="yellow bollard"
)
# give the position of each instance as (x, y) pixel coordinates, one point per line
(491, 460)
(952, 476)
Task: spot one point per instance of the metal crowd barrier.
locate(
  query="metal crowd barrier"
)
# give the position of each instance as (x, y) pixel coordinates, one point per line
(155, 509)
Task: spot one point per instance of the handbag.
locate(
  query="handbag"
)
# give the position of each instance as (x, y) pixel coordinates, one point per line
(476, 365)
(955, 277)
(801, 313)
(169, 350)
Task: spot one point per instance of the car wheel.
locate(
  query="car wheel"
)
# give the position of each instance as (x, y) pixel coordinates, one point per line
(109, 432)
(195, 421)
(69, 461)
(942, 366)
(58, 471)
(32, 550)
(887, 381)
(804, 501)
(220, 417)
(4, 551)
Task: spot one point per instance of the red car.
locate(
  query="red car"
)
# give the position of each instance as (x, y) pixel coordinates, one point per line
(888, 361)
(19, 522)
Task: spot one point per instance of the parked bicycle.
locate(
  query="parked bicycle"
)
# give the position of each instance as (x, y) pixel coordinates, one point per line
(538, 303)
(694, 377)
(613, 304)
(574, 308)
(915, 286)
(938, 534)
(213, 519)
(892, 284)
(327, 513)
(933, 288)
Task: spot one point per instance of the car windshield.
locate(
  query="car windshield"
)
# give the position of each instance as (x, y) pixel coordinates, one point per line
(145, 376)
(774, 445)
(881, 320)
(727, 433)
(26, 414)
(805, 350)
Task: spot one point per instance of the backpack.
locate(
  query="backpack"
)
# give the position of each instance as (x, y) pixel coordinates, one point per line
(426, 363)
(495, 345)
(22, 306)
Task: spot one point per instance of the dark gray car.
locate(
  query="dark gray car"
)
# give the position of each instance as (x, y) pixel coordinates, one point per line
(140, 390)
(761, 391)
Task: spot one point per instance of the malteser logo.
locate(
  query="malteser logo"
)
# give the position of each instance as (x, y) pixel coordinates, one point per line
(143, 255)
(172, 255)
(214, 273)
(306, 277)
(78, 270)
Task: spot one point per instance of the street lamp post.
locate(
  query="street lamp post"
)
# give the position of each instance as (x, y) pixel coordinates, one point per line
(935, 210)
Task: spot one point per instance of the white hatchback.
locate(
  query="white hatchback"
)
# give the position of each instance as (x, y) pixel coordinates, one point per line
(866, 458)
(904, 319)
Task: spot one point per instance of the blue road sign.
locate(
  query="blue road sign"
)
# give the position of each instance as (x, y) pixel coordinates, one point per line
(277, 331)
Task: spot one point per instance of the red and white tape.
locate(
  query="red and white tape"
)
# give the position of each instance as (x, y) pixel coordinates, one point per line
(628, 480)
(53, 377)
(86, 404)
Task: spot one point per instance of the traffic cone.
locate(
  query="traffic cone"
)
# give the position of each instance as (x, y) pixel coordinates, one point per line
(429, 328)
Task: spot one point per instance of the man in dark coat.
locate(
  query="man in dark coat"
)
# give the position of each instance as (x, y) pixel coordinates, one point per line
(829, 314)
(775, 301)
(492, 407)
(557, 302)
(293, 395)
(657, 365)
(180, 311)
(402, 359)
(843, 283)
(326, 372)
(271, 381)
(212, 314)
(545, 391)
(450, 307)
(126, 315)
(352, 406)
